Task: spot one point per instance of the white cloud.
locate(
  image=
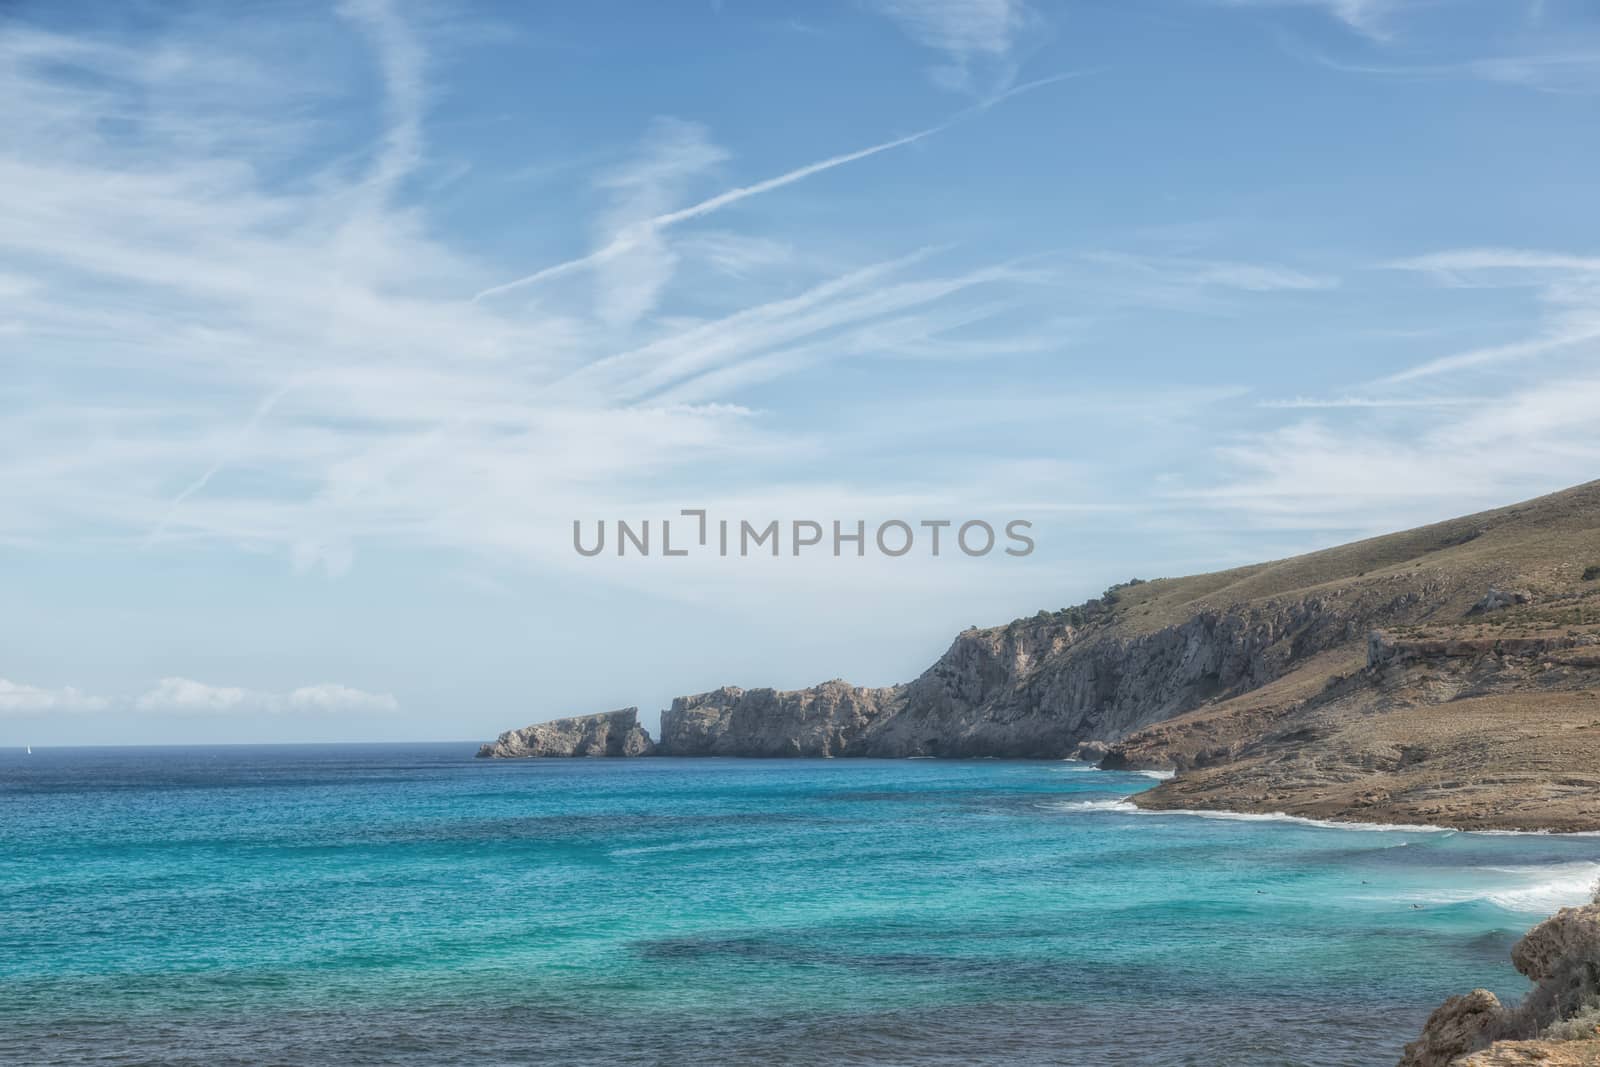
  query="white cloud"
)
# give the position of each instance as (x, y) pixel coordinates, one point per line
(297, 367)
(19, 699)
(1370, 18)
(977, 37)
(1312, 403)
(1466, 260)
(187, 696)
(1184, 283)
(1567, 286)
(332, 697)
(647, 231)
(1471, 428)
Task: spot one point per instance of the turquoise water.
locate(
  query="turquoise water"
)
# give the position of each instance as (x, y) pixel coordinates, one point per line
(408, 904)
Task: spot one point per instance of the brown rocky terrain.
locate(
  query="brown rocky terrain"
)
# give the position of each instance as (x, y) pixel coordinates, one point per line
(1476, 734)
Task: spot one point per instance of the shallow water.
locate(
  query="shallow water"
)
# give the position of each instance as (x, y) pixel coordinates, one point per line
(408, 904)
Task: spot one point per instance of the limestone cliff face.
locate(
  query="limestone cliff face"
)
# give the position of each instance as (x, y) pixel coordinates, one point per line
(825, 720)
(1039, 687)
(613, 733)
(1557, 1023)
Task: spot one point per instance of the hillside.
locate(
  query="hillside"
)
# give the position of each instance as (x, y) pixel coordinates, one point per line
(1444, 674)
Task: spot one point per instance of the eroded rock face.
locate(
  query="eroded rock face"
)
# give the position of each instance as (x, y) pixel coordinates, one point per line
(1455, 1028)
(613, 733)
(1038, 688)
(826, 720)
(1562, 957)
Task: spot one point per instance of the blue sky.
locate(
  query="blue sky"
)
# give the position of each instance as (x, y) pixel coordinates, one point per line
(319, 326)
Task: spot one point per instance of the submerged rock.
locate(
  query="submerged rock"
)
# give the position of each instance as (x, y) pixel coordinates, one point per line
(613, 733)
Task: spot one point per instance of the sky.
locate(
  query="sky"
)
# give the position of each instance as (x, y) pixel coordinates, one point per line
(320, 326)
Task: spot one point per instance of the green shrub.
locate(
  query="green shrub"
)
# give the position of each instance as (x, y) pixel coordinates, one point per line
(1592, 573)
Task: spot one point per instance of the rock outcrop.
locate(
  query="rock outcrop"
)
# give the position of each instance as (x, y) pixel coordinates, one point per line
(830, 719)
(1557, 1023)
(1499, 600)
(613, 733)
(1454, 1029)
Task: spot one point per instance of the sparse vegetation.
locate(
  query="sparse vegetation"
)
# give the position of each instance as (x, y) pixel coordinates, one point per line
(1583, 1026)
(1591, 573)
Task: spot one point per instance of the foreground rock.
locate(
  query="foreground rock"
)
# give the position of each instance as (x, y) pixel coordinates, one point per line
(1536, 1054)
(1557, 1024)
(614, 733)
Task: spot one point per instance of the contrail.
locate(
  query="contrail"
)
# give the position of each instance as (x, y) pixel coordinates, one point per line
(631, 236)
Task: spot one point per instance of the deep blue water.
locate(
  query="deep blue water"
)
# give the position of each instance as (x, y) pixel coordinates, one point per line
(406, 904)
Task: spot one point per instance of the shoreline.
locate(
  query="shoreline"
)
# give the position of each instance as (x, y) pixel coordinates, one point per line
(1129, 806)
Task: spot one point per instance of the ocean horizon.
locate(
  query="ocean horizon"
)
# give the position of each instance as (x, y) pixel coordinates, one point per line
(406, 903)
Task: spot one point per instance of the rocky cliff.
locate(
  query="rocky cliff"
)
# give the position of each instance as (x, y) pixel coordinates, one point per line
(830, 719)
(613, 733)
(1264, 686)
(1557, 1023)
(1040, 687)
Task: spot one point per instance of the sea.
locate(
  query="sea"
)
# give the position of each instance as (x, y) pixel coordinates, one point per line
(409, 904)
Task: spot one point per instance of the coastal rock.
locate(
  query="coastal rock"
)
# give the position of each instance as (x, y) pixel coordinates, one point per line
(825, 720)
(1090, 751)
(1558, 1022)
(612, 733)
(1569, 941)
(1535, 1054)
(1455, 1028)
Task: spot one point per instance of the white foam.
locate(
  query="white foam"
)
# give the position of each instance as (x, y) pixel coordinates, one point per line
(1539, 890)
(1127, 806)
(1557, 886)
(1112, 804)
(1160, 776)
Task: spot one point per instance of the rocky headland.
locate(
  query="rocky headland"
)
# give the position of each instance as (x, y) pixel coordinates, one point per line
(1448, 674)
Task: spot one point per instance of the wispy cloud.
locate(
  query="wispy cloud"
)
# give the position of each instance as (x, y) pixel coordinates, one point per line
(1370, 18)
(1473, 427)
(1567, 285)
(1185, 283)
(19, 699)
(646, 231)
(187, 696)
(226, 334)
(1308, 403)
(1378, 474)
(1563, 73)
(978, 39)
